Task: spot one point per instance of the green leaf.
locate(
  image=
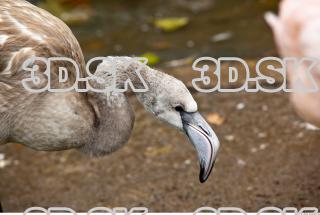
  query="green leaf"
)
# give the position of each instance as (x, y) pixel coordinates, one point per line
(152, 58)
(171, 24)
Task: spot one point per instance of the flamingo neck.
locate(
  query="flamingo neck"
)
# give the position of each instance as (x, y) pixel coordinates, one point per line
(121, 74)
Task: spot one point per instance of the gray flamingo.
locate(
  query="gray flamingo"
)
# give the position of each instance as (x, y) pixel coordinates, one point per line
(95, 123)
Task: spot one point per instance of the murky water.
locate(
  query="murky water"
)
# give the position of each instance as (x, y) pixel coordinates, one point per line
(124, 27)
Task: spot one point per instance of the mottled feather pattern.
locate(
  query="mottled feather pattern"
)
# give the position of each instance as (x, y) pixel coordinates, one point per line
(27, 31)
(96, 123)
(52, 121)
(31, 31)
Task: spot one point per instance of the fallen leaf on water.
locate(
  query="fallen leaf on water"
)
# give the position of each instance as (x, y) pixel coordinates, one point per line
(221, 37)
(181, 62)
(152, 58)
(171, 24)
(215, 119)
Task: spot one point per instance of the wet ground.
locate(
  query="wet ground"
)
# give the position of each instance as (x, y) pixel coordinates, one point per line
(268, 157)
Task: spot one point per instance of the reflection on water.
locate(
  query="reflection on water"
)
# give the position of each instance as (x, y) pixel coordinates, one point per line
(216, 28)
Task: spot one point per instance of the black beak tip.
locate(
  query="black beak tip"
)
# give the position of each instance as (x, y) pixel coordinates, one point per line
(203, 176)
(202, 180)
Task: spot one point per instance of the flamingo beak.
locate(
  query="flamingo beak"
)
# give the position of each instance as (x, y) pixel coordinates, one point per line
(204, 139)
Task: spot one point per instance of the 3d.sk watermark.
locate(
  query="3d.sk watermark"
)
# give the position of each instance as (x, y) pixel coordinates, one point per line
(199, 211)
(209, 70)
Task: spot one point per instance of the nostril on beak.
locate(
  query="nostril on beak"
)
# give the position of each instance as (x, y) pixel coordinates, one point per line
(179, 108)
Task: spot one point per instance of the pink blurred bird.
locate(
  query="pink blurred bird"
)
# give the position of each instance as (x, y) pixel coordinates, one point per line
(297, 34)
